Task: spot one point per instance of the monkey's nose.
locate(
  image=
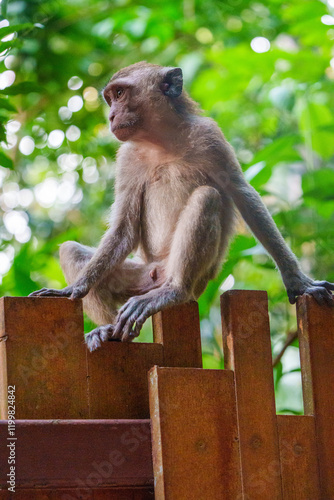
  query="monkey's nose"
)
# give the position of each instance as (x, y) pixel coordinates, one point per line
(111, 116)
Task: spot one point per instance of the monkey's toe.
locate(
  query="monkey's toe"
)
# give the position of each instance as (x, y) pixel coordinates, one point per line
(52, 292)
(127, 326)
(320, 290)
(100, 334)
(321, 294)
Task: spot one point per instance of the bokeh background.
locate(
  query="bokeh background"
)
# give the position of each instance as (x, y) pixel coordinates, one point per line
(263, 70)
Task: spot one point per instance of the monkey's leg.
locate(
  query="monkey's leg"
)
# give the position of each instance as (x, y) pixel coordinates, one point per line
(103, 300)
(198, 243)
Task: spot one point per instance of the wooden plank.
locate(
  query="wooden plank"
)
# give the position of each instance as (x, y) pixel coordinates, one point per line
(118, 379)
(133, 494)
(194, 434)
(247, 350)
(316, 343)
(74, 494)
(44, 356)
(298, 451)
(178, 329)
(78, 454)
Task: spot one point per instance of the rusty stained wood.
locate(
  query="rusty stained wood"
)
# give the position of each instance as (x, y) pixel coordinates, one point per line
(118, 379)
(316, 343)
(178, 329)
(298, 452)
(74, 494)
(43, 355)
(80, 454)
(247, 350)
(194, 434)
(118, 371)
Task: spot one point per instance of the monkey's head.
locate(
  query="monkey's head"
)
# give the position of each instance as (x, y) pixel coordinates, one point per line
(143, 95)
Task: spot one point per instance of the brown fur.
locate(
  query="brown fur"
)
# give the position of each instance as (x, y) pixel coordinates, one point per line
(177, 183)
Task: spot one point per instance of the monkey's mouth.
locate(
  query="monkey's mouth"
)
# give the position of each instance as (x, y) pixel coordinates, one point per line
(128, 124)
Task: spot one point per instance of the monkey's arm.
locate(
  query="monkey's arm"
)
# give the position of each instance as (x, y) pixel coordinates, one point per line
(118, 241)
(256, 215)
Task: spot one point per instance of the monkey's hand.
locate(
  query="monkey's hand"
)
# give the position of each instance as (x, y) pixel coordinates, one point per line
(76, 291)
(300, 284)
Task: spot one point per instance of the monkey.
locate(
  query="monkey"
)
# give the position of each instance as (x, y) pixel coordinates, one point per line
(178, 187)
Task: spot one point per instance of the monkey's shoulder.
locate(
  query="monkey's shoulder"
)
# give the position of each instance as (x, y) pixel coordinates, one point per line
(206, 136)
(207, 146)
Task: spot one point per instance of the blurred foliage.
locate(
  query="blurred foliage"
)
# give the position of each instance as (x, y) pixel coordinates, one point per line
(272, 96)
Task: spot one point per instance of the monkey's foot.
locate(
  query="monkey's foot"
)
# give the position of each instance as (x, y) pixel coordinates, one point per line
(100, 334)
(137, 310)
(320, 290)
(131, 318)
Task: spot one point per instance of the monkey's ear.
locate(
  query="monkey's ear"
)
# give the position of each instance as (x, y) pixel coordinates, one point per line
(172, 82)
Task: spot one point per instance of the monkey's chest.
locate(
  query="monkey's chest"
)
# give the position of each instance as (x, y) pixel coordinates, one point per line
(163, 202)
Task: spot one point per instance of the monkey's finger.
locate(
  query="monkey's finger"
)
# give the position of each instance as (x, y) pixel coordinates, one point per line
(37, 292)
(325, 284)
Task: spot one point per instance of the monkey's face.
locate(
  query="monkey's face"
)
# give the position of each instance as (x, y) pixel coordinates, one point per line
(124, 115)
(139, 97)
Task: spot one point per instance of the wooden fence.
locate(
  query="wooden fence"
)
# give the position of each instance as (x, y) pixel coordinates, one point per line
(87, 425)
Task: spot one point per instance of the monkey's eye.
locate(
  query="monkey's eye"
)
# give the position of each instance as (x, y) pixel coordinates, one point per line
(119, 93)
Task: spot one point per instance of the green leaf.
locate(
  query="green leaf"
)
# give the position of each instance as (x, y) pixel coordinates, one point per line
(319, 184)
(5, 104)
(278, 374)
(5, 161)
(10, 44)
(21, 88)
(211, 362)
(7, 30)
(2, 129)
(317, 123)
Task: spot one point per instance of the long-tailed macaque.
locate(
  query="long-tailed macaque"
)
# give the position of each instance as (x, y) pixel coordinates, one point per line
(177, 185)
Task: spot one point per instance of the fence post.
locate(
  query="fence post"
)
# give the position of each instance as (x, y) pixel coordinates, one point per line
(195, 442)
(316, 343)
(247, 350)
(178, 329)
(42, 353)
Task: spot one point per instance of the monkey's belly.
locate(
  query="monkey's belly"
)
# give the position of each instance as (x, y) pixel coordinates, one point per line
(157, 233)
(159, 222)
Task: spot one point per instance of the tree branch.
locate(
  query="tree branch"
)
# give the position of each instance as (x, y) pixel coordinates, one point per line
(290, 338)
